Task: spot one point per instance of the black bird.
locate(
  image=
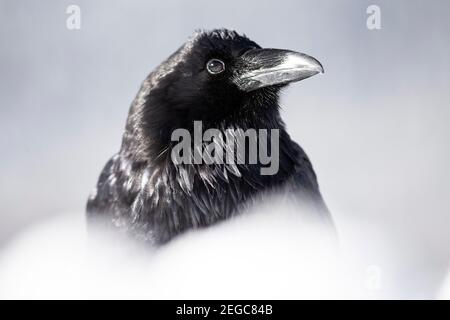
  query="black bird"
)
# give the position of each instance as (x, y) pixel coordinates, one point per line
(226, 81)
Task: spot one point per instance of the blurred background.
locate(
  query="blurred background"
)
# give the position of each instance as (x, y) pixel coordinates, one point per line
(376, 125)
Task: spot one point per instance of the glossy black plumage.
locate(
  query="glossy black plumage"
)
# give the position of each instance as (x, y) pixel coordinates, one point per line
(142, 191)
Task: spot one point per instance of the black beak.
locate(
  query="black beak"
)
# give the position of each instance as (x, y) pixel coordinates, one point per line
(267, 67)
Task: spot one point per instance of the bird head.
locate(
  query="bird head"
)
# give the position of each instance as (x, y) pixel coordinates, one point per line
(216, 77)
(220, 72)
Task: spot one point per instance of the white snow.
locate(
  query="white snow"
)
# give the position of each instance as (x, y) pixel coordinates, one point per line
(268, 254)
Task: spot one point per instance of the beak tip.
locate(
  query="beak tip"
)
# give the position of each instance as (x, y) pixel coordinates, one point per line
(319, 67)
(306, 62)
(322, 70)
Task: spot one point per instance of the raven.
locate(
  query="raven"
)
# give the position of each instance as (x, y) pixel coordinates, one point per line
(225, 80)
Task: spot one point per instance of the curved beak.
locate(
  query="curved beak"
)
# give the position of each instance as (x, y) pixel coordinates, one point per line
(267, 67)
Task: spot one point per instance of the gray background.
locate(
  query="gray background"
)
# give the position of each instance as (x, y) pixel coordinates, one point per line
(375, 125)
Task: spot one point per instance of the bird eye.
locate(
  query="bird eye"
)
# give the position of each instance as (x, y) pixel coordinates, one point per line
(215, 66)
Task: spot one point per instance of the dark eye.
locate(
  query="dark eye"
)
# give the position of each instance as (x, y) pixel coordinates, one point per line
(215, 66)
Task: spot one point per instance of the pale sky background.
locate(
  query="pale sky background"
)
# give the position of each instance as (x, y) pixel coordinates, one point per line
(375, 125)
